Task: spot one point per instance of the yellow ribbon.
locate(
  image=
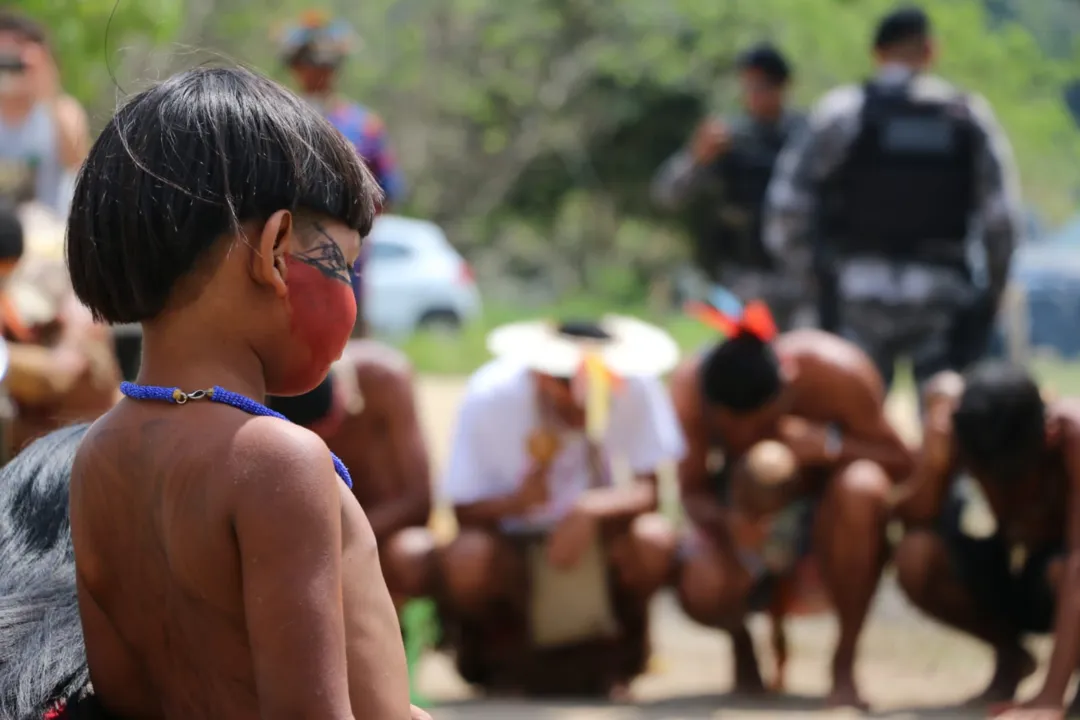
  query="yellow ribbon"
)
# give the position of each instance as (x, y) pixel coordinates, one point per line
(599, 384)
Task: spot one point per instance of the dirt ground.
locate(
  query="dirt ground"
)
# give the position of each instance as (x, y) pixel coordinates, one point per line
(910, 668)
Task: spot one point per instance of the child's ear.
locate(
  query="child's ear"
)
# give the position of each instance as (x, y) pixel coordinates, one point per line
(278, 236)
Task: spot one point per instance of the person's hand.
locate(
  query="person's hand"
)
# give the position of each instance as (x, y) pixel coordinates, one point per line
(41, 73)
(806, 440)
(542, 448)
(416, 713)
(533, 491)
(571, 538)
(711, 140)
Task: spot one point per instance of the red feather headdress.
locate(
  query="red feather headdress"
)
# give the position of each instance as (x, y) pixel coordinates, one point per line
(756, 320)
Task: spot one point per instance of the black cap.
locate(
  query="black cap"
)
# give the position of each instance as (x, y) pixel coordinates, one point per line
(766, 59)
(908, 23)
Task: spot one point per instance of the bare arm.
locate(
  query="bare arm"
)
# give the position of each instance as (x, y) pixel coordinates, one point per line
(867, 432)
(921, 497)
(390, 392)
(488, 513)
(646, 431)
(679, 179)
(72, 131)
(1066, 653)
(287, 521)
(695, 487)
(619, 504)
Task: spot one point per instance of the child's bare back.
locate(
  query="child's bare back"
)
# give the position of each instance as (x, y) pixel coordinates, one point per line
(209, 495)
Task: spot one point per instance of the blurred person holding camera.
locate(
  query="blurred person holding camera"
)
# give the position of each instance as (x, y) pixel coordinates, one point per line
(723, 174)
(894, 176)
(44, 134)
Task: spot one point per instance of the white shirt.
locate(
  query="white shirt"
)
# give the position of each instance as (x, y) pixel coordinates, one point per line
(489, 457)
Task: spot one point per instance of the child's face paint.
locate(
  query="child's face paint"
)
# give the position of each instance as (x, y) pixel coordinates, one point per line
(323, 311)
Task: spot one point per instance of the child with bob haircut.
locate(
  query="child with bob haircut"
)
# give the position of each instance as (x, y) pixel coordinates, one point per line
(224, 568)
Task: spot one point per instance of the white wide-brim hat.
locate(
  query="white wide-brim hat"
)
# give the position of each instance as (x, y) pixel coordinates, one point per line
(632, 347)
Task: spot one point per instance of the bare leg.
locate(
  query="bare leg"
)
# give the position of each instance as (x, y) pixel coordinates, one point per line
(778, 635)
(708, 588)
(851, 550)
(476, 569)
(926, 574)
(408, 564)
(644, 556)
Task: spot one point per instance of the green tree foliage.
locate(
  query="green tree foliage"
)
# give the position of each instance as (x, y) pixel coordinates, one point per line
(531, 128)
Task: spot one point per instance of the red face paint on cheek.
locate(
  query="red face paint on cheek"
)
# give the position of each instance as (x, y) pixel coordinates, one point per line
(323, 313)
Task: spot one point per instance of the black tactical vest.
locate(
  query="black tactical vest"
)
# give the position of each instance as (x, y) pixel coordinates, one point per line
(906, 189)
(733, 229)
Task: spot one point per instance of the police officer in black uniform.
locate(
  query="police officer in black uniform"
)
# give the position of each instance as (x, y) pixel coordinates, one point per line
(896, 177)
(723, 174)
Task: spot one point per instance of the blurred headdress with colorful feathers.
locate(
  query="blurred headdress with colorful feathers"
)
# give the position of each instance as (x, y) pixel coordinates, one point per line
(316, 37)
(728, 316)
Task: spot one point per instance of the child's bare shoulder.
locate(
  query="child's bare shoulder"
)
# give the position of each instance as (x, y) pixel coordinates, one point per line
(268, 456)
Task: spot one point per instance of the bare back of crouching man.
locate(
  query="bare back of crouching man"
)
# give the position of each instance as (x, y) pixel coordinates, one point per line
(821, 397)
(222, 569)
(550, 576)
(992, 424)
(366, 412)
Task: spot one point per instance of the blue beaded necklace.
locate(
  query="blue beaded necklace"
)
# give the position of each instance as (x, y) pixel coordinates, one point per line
(218, 395)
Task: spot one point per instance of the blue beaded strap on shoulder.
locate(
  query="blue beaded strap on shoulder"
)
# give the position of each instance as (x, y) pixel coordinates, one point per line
(222, 396)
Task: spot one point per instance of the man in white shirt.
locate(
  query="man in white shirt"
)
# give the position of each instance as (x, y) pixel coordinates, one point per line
(531, 483)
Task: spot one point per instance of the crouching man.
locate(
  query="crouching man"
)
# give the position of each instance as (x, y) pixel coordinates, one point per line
(789, 458)
(548, 582)
(1018, 570)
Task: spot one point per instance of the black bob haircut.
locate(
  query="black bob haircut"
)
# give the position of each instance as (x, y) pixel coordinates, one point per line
(27, 28)
(767, 59)
(1000, 422)
(901, 26)
(188, 161)
(42, 653)
(741, 374)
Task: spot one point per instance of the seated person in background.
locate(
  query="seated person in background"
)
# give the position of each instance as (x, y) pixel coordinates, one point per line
(822, 398)
(365, 410)
(1025, 457)
(62, 365)
(545, 530)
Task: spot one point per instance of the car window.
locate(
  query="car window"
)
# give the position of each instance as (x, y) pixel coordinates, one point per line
(389, 251)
